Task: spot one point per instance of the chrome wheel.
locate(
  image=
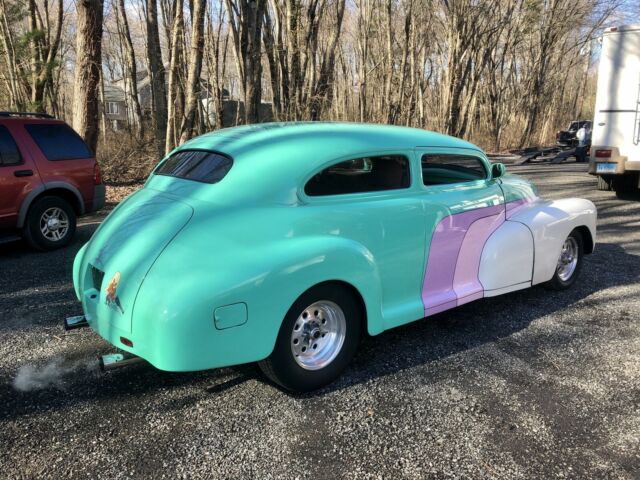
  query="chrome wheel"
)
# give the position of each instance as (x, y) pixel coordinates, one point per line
(54, 224)
(318, 335)
(568, 260)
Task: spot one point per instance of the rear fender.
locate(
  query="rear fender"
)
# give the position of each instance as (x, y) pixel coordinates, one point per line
(268, 280)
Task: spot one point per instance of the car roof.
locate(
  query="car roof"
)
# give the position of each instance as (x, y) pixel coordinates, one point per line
(327, 140)
(273, 160)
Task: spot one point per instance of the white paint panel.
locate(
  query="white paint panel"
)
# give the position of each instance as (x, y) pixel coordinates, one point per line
(510, 288)
(551, 222)
(507, 258)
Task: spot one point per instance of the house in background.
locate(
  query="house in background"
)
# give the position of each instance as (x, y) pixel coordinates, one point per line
(115, 107)
(116, 113)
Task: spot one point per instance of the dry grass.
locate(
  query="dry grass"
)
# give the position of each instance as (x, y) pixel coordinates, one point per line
(125, 159)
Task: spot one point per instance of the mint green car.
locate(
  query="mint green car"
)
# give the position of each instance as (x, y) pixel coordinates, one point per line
(283, 243)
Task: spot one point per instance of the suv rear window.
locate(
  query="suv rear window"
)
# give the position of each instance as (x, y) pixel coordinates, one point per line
(9, 153)
(198, 165)
(58, 141)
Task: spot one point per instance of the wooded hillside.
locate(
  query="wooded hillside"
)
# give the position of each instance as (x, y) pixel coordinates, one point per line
(502, 73)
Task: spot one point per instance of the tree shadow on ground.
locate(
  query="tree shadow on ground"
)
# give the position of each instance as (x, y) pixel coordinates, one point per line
(420, 343)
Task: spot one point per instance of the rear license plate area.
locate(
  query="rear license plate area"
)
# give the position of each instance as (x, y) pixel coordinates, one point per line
(605, 168)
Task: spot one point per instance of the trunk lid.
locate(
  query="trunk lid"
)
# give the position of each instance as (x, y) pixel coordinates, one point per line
(122, 251)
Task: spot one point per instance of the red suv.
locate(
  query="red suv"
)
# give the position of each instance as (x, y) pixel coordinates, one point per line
(48, 177)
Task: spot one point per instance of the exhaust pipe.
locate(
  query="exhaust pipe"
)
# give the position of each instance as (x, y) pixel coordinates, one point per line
(118, 360)
(71, 323)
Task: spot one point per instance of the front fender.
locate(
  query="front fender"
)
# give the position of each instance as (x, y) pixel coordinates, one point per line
(550, 223)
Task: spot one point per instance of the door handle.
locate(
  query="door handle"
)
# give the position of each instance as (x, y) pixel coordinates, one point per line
(23, 173)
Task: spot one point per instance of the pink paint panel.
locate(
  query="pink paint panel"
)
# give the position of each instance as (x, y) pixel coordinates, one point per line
(465, 280)
(440, 308)
(438, 291)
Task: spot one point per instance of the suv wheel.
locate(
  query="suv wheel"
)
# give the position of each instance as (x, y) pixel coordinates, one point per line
(50, 224)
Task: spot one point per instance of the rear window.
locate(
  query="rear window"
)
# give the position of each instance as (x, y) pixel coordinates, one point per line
(9, 153)
(58, 141)
(201, 166)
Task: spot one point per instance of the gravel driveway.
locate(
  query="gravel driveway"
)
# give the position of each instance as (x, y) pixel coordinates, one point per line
(531, 384)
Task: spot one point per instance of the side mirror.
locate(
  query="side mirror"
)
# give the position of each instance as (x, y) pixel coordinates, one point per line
(498, 170)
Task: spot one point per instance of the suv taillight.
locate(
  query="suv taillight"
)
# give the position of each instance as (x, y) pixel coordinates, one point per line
(603, 153)
(97, 174)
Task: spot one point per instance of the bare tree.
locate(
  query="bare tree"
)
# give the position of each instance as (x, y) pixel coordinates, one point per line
(174, 107)
(87, 70)
(195, 69)
(246, 20)
(130, 72)
(156, 75)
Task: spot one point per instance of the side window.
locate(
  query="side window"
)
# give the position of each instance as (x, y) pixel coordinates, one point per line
(366, 174)
(58, 141)
(9, 153)
(442, 169)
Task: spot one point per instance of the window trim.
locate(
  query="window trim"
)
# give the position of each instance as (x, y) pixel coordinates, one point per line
(472, 153)
(406, 153)
(110, 111)
(21, 162)
(206, 150)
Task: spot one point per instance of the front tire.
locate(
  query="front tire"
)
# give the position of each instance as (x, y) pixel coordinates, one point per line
(50, 224)
(317, 339)
(569, 262)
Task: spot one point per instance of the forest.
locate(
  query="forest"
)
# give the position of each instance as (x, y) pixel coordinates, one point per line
(138, 77)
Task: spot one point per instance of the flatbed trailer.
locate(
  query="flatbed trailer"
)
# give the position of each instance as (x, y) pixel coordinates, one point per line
(550, 154)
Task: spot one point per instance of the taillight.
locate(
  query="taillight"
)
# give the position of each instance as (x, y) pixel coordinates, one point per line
(603, 153)
(558, 136)
(97, 174)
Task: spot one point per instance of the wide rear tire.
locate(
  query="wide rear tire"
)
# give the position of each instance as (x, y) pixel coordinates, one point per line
(317, 339)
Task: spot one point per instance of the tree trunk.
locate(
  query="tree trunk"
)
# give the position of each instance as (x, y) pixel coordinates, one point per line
(173, 109)
(246, 18)
(157, 76)
(195, 68)
(130, 73)
(86, 106)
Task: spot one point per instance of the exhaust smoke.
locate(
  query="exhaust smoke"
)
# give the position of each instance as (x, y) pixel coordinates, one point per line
(54, 374)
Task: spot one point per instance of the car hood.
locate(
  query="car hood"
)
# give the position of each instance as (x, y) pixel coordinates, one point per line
(116, 260)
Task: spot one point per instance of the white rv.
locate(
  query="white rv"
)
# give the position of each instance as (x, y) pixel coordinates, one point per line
(615, 141)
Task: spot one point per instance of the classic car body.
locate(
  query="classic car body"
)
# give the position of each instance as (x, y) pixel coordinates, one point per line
(191, 275)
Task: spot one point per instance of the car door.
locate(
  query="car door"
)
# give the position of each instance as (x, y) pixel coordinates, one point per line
(371, 199)
(18, 177)
(463, 205)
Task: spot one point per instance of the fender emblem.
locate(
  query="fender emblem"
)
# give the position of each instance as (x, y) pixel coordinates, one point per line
(112, 299)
